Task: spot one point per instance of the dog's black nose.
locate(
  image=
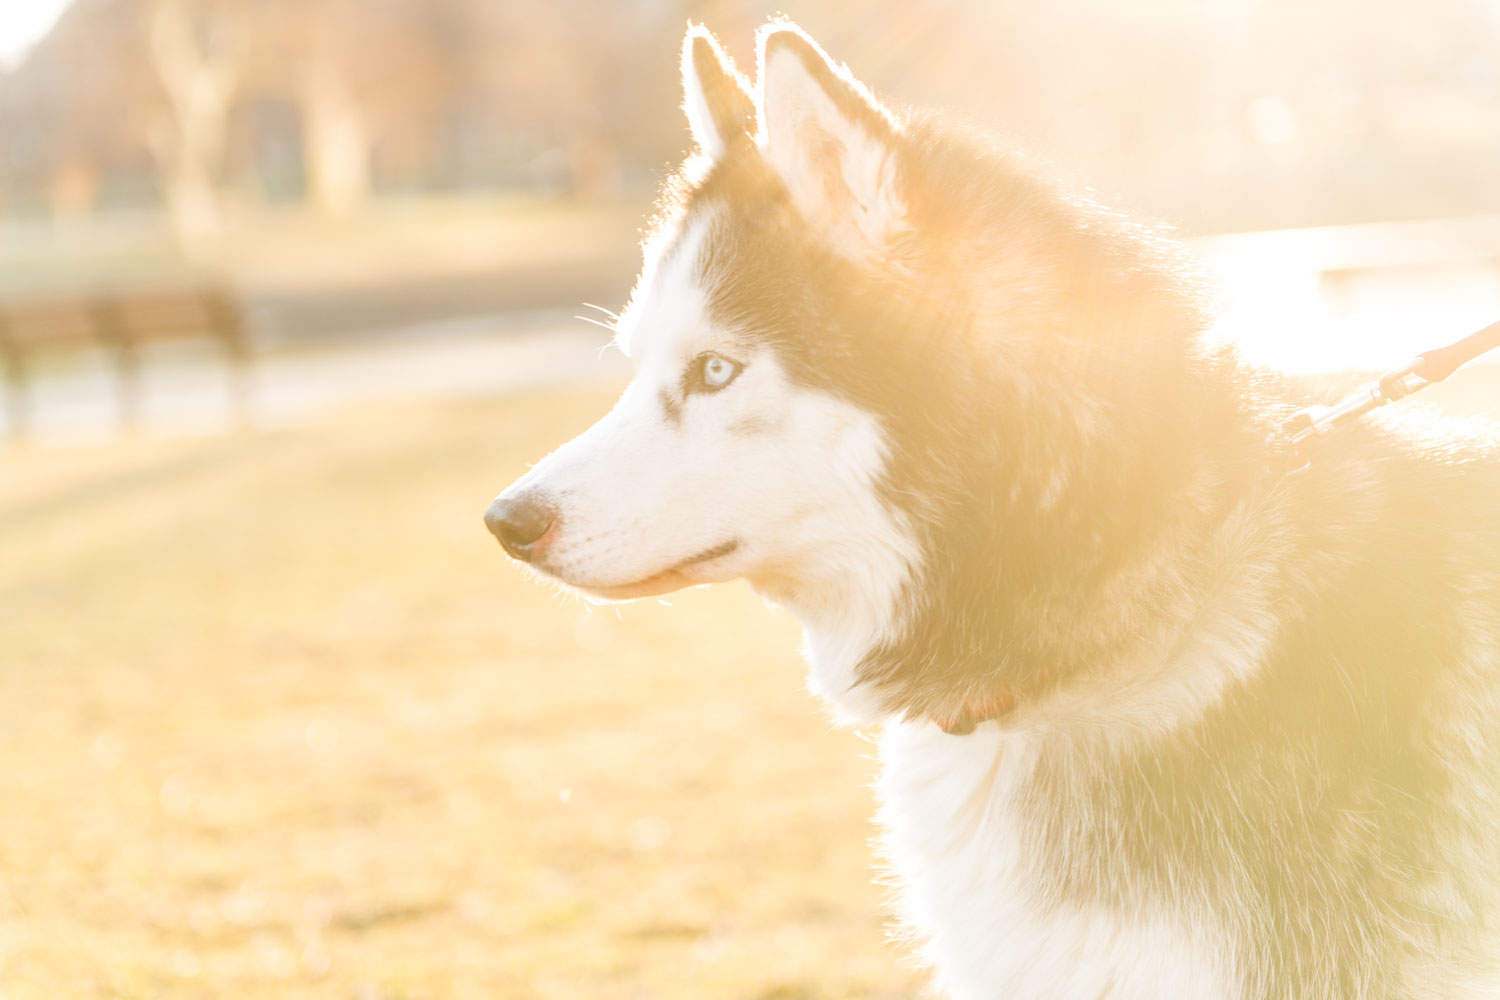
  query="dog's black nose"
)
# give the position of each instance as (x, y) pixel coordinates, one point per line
(519, 523)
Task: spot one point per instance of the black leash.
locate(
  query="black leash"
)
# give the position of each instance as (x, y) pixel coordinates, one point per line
(1428, 368)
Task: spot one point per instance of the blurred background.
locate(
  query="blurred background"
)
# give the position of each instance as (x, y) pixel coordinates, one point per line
(288, 291)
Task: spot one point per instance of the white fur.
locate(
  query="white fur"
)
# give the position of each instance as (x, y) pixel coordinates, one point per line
(841, 177)
(695, 104)
(848, 599)
(968, 886)
(797, 490)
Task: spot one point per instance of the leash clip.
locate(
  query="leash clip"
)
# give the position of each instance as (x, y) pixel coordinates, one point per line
(1299, 430)
(1314, 422)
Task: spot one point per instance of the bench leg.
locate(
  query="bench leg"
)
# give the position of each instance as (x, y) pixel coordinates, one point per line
(237, 353)
(128, 390)
(241, 383)
(16, 400)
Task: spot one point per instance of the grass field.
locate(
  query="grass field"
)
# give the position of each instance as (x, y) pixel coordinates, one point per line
(279, 720)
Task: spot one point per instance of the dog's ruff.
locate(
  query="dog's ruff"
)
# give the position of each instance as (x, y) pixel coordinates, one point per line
(965, 428)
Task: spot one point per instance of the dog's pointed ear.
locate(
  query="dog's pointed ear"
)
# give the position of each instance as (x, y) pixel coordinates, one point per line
(716, 98)
(833, 145)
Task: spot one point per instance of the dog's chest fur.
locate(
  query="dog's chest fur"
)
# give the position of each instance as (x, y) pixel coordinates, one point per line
(974, 882)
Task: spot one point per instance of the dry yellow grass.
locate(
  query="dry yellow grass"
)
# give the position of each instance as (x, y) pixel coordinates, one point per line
(278, 720)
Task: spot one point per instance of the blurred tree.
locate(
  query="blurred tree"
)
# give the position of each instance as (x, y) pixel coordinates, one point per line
(338, 134)
(359, 72)
(71, 122)
(1216, 115)
(593, 81)
(199, 49)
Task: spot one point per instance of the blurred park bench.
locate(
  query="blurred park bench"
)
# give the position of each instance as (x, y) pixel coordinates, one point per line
(122, 324)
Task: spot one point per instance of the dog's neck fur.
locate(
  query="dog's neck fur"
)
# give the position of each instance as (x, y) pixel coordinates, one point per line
(1088, 634)
(848, 606)
(1104, 447)
(1035, 576)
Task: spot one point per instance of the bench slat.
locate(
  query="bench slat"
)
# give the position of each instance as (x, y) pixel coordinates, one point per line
(121, 322)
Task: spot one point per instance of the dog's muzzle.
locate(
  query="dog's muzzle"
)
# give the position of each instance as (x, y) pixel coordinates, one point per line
(523, 524)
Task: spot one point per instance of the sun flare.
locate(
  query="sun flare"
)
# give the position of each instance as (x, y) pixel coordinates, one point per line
(22, 25)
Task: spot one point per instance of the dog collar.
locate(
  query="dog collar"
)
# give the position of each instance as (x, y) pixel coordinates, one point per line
(972, 715)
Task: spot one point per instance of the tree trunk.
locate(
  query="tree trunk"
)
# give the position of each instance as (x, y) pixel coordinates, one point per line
(337, 144)
(197, 49)
(191, 189)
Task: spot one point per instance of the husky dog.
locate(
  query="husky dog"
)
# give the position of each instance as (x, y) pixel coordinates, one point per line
(1160, 719)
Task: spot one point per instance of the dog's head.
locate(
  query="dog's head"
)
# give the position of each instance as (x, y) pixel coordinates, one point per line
(739, 450)
(885, 373)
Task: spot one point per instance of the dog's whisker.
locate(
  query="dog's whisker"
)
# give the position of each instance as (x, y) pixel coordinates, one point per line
(614, 316)
(599, 323)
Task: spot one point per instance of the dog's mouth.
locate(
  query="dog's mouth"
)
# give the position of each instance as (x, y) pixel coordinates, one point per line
(675, 577)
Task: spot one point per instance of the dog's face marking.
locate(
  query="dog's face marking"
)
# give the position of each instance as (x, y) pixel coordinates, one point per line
(719, 461)
(714, 464)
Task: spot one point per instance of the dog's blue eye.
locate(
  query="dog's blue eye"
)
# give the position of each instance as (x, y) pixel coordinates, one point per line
(710, 373)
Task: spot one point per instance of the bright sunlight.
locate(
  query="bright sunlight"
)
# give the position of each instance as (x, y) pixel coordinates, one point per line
(22, 24)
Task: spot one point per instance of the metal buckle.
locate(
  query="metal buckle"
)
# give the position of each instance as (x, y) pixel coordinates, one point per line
(1303, 427)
